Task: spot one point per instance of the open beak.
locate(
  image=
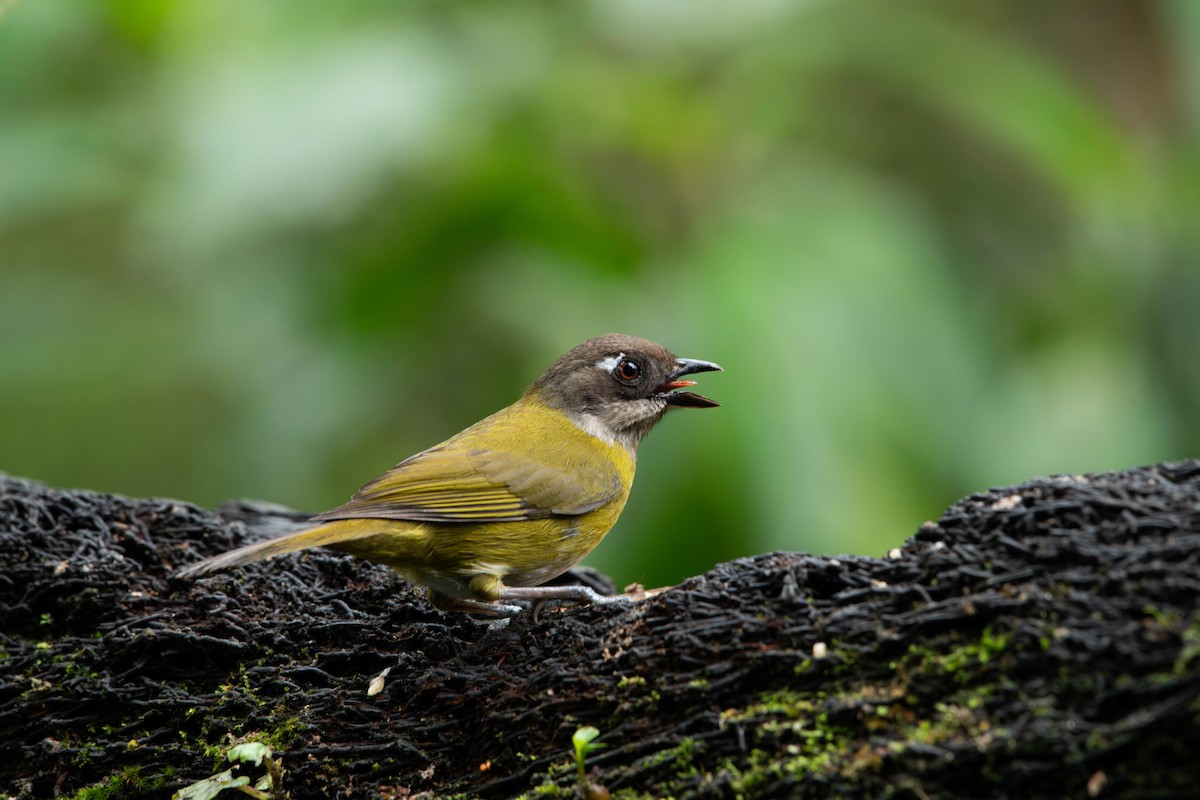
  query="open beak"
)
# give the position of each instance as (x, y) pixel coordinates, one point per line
(687, 366)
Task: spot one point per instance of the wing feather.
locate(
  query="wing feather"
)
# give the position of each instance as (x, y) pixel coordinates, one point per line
(484, 474)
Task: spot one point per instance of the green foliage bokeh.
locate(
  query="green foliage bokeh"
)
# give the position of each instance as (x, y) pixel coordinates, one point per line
(269, 249)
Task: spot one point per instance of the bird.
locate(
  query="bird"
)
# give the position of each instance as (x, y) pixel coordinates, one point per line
(485, 518)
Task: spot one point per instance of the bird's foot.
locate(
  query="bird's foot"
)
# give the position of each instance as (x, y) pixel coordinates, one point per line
(578, 594)
(513, 600)
(503, 611)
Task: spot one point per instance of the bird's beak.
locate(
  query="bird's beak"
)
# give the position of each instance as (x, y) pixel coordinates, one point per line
(687, 366)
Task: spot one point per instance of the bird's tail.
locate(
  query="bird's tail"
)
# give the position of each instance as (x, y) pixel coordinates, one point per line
(330, 533)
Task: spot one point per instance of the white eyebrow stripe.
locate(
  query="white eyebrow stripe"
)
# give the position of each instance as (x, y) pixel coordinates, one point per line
(610, 363)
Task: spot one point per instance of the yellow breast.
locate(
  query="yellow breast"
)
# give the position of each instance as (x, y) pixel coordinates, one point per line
(577, 462)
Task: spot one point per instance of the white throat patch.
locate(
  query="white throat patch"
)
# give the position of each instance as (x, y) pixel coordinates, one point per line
(591, 425)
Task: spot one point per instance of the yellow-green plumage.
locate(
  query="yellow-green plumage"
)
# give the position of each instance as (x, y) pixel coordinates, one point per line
(532, 495)
(517, 498)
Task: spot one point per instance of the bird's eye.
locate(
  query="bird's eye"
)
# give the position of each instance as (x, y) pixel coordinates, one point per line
(627, 371)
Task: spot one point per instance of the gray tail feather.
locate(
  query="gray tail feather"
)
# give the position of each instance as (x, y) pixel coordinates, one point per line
(300, 540)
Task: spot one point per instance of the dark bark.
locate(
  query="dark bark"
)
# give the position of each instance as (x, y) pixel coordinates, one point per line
(1038, 641)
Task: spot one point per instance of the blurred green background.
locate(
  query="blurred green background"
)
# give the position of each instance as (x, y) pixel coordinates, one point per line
(268, 249)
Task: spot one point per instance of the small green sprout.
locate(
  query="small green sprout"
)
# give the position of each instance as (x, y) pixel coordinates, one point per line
(583, 741)
(268, 786)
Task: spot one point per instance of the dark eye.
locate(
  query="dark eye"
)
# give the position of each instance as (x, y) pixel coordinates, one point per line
(627, 371)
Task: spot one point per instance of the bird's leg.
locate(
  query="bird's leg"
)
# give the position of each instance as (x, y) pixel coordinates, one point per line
(492, 596)
(580, 594)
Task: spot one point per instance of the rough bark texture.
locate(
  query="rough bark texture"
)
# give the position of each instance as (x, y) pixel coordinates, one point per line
(1037, 641)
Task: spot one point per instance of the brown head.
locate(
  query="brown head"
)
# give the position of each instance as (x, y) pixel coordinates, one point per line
(617, 386)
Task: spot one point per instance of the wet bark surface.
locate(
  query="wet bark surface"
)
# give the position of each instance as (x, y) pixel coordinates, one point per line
(1037, 641)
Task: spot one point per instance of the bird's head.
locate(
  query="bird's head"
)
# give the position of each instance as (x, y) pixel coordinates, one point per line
(617, 386)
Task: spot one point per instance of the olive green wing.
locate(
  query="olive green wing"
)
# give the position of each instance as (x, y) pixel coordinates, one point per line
(457, 483)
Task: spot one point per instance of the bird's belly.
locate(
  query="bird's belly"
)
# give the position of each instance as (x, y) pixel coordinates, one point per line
(525, 553)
